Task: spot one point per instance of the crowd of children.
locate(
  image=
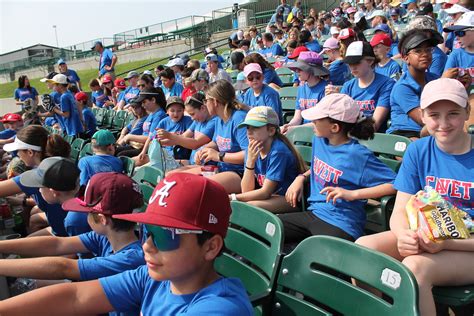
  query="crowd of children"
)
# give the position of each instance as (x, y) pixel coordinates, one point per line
(356, 70)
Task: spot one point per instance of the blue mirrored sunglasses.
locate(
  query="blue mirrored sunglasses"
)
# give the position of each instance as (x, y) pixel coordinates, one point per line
(164, 239)
(460, 33)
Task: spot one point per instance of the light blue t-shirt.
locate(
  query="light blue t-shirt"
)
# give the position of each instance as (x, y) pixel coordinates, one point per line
(57, 101)
(90, 165)
(267, 97)
(152, 120)
(350, 166)
(90, 121)
(24, 93)
(173, 127)
(391, 69)
(339, 73)
(202, 128)
(270, 76)
(376, 94)
(231, 139)
(425, 164)
(99, 98)
(175, 91)
(460, 58)
(273, 51)
(130, 93)
(105, 60)
(72, 123)
(279, 165)
(405, 97)
(136, 290)
(136, 127)
(308, 97)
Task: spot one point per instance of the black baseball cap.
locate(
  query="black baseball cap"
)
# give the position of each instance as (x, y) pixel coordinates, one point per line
(157, 93)
(415, 39)
(357, 50)
(236, 58)
(57, 173)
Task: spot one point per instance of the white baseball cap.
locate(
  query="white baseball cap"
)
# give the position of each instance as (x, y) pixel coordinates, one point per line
(464, 22)
(59, 79)
(456, 8)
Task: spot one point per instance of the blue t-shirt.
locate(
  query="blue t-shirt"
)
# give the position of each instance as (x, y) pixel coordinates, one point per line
(130, 93)
(72, 123)
(152, 120)
(339, 73)
(350, 166)
(376, 94)
(107, 262)
(90, 165)
(136, 127)
(72, 76)
(391, 69)
(313, 46)
(279, 165)
(460, 58)
(307, 96)
(405, 97)
(7, 133)
(270, 76)
(99, 98)
(24, 93)
(231, 139)
(175, 91)
(268, 97)
(50, 121)
(89, 120)
(425, 164)
(438, 62)
(136, 290)
(173, 127)
(105, 60)
(54, 212)
(199, 128)
(76, 223)
(274, 50)
(57, 101)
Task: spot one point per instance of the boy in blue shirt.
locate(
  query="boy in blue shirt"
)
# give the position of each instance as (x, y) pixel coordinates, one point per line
(170, 87)
(68, 110)
(112, 241)
(183, 238)
(12, 123)
(270, 49)
(71, 75)
(103, 160)
(90, 123)
(386, 66)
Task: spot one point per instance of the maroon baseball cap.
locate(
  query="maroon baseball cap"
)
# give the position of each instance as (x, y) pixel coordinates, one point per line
(186, 201)
(108, 193)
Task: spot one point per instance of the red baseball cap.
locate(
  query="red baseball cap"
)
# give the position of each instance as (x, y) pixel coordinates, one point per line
(11, 117)
(297, 51)
(381, 38)
(107, 79)
(346, 33)
(107, 193)
(186, 201)
(120, 83)
(81, 96)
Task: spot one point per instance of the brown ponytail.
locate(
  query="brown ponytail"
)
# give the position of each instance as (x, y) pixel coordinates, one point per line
(224, 93)
(57, 146)
(362, 130)
(301, 164)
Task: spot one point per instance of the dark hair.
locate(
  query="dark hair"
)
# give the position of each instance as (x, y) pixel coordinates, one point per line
(22, 82)
(118, 225)
(257, 58)
(187, 71)
(205, 236)
(57, 146)
(292, 44)
(343, 24)
(94, 83)
(167, 73)
(157, 94)
(51, 145)
(362, 130)
(149, 80)
(196, 100)
(268, 37)
(304, 36)
(73, 89)
(160, 67)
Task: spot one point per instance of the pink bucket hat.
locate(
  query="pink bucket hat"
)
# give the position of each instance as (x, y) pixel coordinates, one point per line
(443, 89)
(337, 106)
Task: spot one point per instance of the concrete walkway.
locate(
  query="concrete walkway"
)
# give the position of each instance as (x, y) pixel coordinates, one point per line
(8, 106)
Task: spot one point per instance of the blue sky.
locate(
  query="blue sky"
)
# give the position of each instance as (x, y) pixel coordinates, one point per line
(27, 22)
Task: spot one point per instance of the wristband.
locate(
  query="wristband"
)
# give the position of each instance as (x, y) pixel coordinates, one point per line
(233, 197)
(249, 168)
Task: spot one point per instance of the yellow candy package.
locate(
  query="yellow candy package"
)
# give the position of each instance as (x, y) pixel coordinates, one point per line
(437, 218)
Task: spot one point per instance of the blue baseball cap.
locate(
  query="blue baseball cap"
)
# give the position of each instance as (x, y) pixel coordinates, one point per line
(384, 28)
(61, 61)
(407, 2)
(95, 43)
(394, 11)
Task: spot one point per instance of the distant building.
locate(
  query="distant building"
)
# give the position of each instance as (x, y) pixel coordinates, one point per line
(33, 53)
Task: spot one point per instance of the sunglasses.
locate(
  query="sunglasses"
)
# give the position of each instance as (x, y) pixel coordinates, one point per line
(140, 85)
(164, 239)
(420, 51)
(460, 33)
(256, 77)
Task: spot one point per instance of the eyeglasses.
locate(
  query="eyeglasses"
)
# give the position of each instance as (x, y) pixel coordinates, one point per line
(256, 77)
(420, 51)
(164, 239)
(460, 33)
(141, 85)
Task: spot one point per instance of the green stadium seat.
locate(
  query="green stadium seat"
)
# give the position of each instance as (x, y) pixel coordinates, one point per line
(283, 71)
(108, 119)
(288, 100)
(86, 151)
(302, 138)
(288, 93)
(99, 116)
(149, 175)
(76, 148)
(287, 80)
(313, 281)
(69, 138)
(459, 298)
(470, 129)
(128, 165)
(147, 191)
(253, 251)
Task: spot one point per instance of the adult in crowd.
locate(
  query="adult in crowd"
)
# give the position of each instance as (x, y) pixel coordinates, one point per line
(107, 59)
(25, 91)
(71, 75)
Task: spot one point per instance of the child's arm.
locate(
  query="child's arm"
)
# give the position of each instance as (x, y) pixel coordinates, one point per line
(295, 190)
(46, 268)
(43, 246)
(81, 298)
(135, 138)
(334, 193)
(186, 140)
(59, 112)
(7, 141)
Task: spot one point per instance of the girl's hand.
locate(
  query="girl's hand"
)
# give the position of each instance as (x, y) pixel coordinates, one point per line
(334, 193)
(164, 135)
(428, 245)
(408, 243)
(142, 156)
(295, 191)
(209, 154)
(253, 151)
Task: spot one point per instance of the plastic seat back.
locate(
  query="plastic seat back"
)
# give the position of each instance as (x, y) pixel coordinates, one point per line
(149, 175)
(128, 165)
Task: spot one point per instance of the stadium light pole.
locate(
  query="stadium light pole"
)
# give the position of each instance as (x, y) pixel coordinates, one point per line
(56, 33)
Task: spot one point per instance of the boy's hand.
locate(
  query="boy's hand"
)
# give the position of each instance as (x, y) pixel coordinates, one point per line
(428, 245)
(334, 193)
(408, 243)
(209, 154)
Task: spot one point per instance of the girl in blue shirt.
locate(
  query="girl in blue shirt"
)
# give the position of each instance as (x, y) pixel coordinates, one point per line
(198, 134)
(135, 127)
(229, 142)
(309, 68)
(445, 162)
(25, 91)
(270, 77)
(271, 163)
(99, 98)
(343, 175)
(416, 47)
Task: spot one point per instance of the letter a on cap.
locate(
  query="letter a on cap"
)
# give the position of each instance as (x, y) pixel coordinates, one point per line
(212, 219)
(163, 192)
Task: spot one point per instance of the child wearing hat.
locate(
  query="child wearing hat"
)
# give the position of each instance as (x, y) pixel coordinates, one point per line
(311, 71)
(369, 89)
(416, 47)
(176, 122)
(339, 72)
(103, 160)
(12, 122)
(259, 93)
(386, 66)
(343, 174)
(216, 73)
(271, 162)
(183, 239)
(445, 162)
(130, 92)
(90, 123)
(112, 241)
